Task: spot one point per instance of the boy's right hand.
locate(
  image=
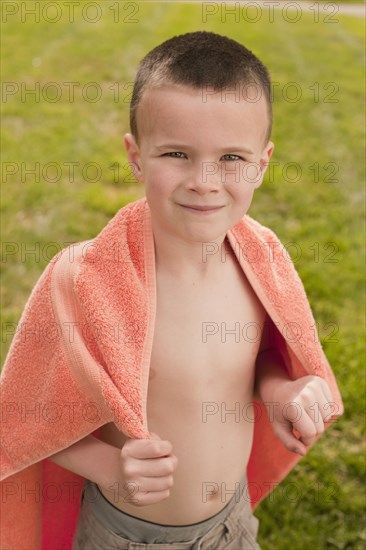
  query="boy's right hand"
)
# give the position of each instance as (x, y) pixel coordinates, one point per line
(146, 467)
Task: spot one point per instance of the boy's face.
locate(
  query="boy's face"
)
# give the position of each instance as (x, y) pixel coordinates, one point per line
(192, 153)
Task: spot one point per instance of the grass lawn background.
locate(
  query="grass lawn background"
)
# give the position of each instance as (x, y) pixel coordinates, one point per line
(321, 503)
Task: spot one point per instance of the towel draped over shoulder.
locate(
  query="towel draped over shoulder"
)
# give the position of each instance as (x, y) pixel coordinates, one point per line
(80, 359)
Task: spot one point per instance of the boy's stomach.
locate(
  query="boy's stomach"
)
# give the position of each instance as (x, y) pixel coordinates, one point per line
(211, 434)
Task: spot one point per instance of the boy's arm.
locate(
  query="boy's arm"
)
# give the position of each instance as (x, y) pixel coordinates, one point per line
(140, 472)
(93, 459)
(301, 404)
(268, 372)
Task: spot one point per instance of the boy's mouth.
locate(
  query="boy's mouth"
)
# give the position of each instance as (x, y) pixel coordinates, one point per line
(202, 209)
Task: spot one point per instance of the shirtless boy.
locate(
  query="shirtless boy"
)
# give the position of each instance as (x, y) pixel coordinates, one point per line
(200, 147)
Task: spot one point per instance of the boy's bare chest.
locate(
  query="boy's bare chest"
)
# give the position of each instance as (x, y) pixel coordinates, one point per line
(205, 334)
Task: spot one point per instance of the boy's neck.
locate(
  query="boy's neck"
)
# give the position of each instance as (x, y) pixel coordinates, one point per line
(189, 260)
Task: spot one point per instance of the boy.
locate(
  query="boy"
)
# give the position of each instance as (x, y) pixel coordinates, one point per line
(200, 145)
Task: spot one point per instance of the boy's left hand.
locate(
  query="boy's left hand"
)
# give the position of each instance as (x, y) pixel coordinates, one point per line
(303, 404)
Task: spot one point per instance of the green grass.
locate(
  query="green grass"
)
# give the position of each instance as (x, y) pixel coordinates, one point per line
(315, 213)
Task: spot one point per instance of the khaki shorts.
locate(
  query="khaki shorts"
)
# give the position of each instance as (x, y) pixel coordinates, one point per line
(102, 526)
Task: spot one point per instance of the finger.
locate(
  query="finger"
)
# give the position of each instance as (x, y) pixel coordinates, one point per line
(326, 390)
(324, 406)
(157, 468)
(284, 432)
(156, 484)
(330, 408)
(332, 411)
(316, 413)
(151, 448)
(306, 427)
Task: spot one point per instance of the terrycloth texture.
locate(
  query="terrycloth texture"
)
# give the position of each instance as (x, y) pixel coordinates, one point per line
(81, 357)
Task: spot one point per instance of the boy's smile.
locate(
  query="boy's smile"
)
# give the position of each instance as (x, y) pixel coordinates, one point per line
(200, 157)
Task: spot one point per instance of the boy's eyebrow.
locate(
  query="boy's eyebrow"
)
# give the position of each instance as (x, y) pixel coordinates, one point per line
(224, 149)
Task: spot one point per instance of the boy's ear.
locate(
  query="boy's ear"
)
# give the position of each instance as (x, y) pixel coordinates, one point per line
(264, 161)
(133, 155)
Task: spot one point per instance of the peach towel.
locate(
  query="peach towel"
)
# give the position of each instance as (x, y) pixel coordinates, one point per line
(80, 358)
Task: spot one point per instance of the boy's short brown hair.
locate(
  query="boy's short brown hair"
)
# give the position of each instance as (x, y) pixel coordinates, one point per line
(201, 60)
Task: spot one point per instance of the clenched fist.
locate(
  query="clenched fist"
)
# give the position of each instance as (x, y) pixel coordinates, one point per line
(146, 467)
(304, 405)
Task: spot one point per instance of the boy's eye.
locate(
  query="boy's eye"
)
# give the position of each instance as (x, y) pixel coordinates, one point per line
(180, 155)
(233, 157)
(175, 154)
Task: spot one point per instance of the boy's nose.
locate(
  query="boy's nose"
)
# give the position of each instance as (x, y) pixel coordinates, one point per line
(205, 178)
